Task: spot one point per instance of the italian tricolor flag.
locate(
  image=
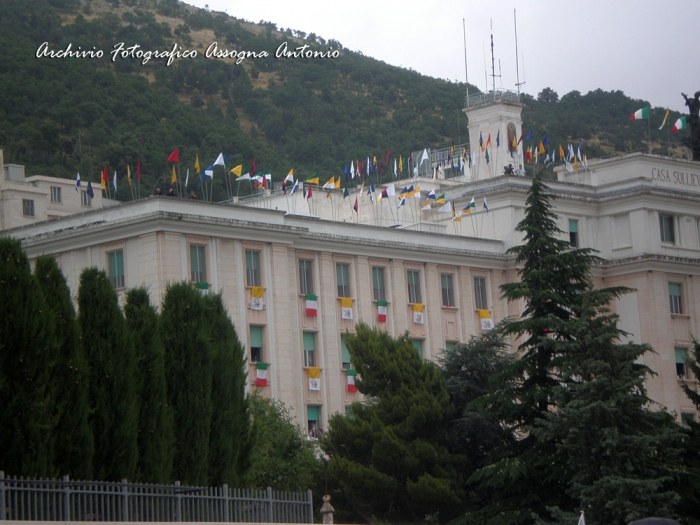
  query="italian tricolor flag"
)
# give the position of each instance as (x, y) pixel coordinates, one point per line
(680, 124)
(311, 305)
(352, 374)
(640, 114)
(261, 374)
(381, 311)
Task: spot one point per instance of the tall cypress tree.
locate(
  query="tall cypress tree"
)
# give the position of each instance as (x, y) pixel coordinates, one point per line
(111, 357)
(230, 439)
(74, 444)
(155, 434)
(27, 357)
(188, 370)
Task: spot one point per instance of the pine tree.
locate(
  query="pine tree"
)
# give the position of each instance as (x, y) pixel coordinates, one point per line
(188, 371)
(74, 444)
(27, 357)
(622, 457)
(156, 433)
(111, 358)
(230, 439)
(392, 457)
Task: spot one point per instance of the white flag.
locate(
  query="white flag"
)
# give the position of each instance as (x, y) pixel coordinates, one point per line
(445, 208)
(425, 156)
(77, 182)
(114, 180)
(187, 178)
(219, 160)
(390, 191)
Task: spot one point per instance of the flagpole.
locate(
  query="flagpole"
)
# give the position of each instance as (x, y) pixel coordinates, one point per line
(649, 128)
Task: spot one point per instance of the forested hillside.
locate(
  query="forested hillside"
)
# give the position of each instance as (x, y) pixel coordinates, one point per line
(62, 115)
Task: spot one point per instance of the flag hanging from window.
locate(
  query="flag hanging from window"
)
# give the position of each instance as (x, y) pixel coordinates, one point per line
(260, 374)
(311, 305)
(346, 308)
(418, 313)
(381, 311)
(486, 321)
(314, 378)
(256, 302)
(352, 375)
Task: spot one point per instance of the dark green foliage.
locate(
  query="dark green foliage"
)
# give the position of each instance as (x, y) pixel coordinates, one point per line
(28, 411)
(621, 456)
(230, 441)
(468, 370)
(113, 388)
(282, 457)
(74, 444)
(188, 370)
(392, 459)
(155, 438)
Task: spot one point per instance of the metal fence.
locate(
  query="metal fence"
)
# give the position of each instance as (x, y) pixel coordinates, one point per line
(68, 500)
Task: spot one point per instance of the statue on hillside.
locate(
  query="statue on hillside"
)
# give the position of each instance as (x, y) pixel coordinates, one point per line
(694, 123)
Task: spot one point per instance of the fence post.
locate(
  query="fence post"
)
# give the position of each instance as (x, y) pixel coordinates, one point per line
(2, 496)
(125, 501)
(178, 503)
(310, 497)
(226, 500)
(66, 499)
(269, 505)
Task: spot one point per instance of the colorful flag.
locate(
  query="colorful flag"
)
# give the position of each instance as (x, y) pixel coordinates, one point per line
(418, 313)
(238, 170)
(529, 135)
(401, 202)
(77, 182)
(290, 176)
(346, 193)
(486, 206)
(352, 375)
(330, 184)
(545, 140)
(431, 195)
(481, 141)
(561, 153)
(440, 199)
(381, 311)
(488, 141)
(311, 305)
(314, 378)
(209, 172)
(128, 174)
(89, 190)
(260, 374)
(295, 188)
(498, 138)
(640, 114)
(540, 148)
(105, 178)
(486, 154)
(457, 217)
(426, 206)
(665, 118)
(681, 123)
(400, 164)
(197, 168)
(346, 308)
(174, 156)
(256, 302)
(138, 169)
(355, 207)
(471, 207)
(337, 183)
(486, 321)
(310, 193)
(173, 178)
(313, 179)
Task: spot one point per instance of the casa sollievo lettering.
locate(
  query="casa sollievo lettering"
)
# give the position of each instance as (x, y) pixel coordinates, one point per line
(683, 178)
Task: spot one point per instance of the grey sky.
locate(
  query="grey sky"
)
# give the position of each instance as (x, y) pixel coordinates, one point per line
(648, 49)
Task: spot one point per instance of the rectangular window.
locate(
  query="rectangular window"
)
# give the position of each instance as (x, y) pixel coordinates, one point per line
(256, 344)
(681, 358)
(480, 293)
(686, 419)
(198, 263)
(674, 296)
(343, 274)
(252, 268)
(666, 227)
(450, 346)
(344, 354)
(573, 232)
(55, 194)
(116, 268)
(448, 293)
(85, 198)
(378, 283)
(418, 345)
(309, 349)
(414, 287)
(28, 207)
(313, 418)
(348, 412)
(306, 283)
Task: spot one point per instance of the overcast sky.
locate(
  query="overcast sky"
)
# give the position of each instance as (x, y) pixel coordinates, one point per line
(646, 48)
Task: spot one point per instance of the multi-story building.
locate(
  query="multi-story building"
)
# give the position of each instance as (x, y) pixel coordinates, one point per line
(320, 266)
